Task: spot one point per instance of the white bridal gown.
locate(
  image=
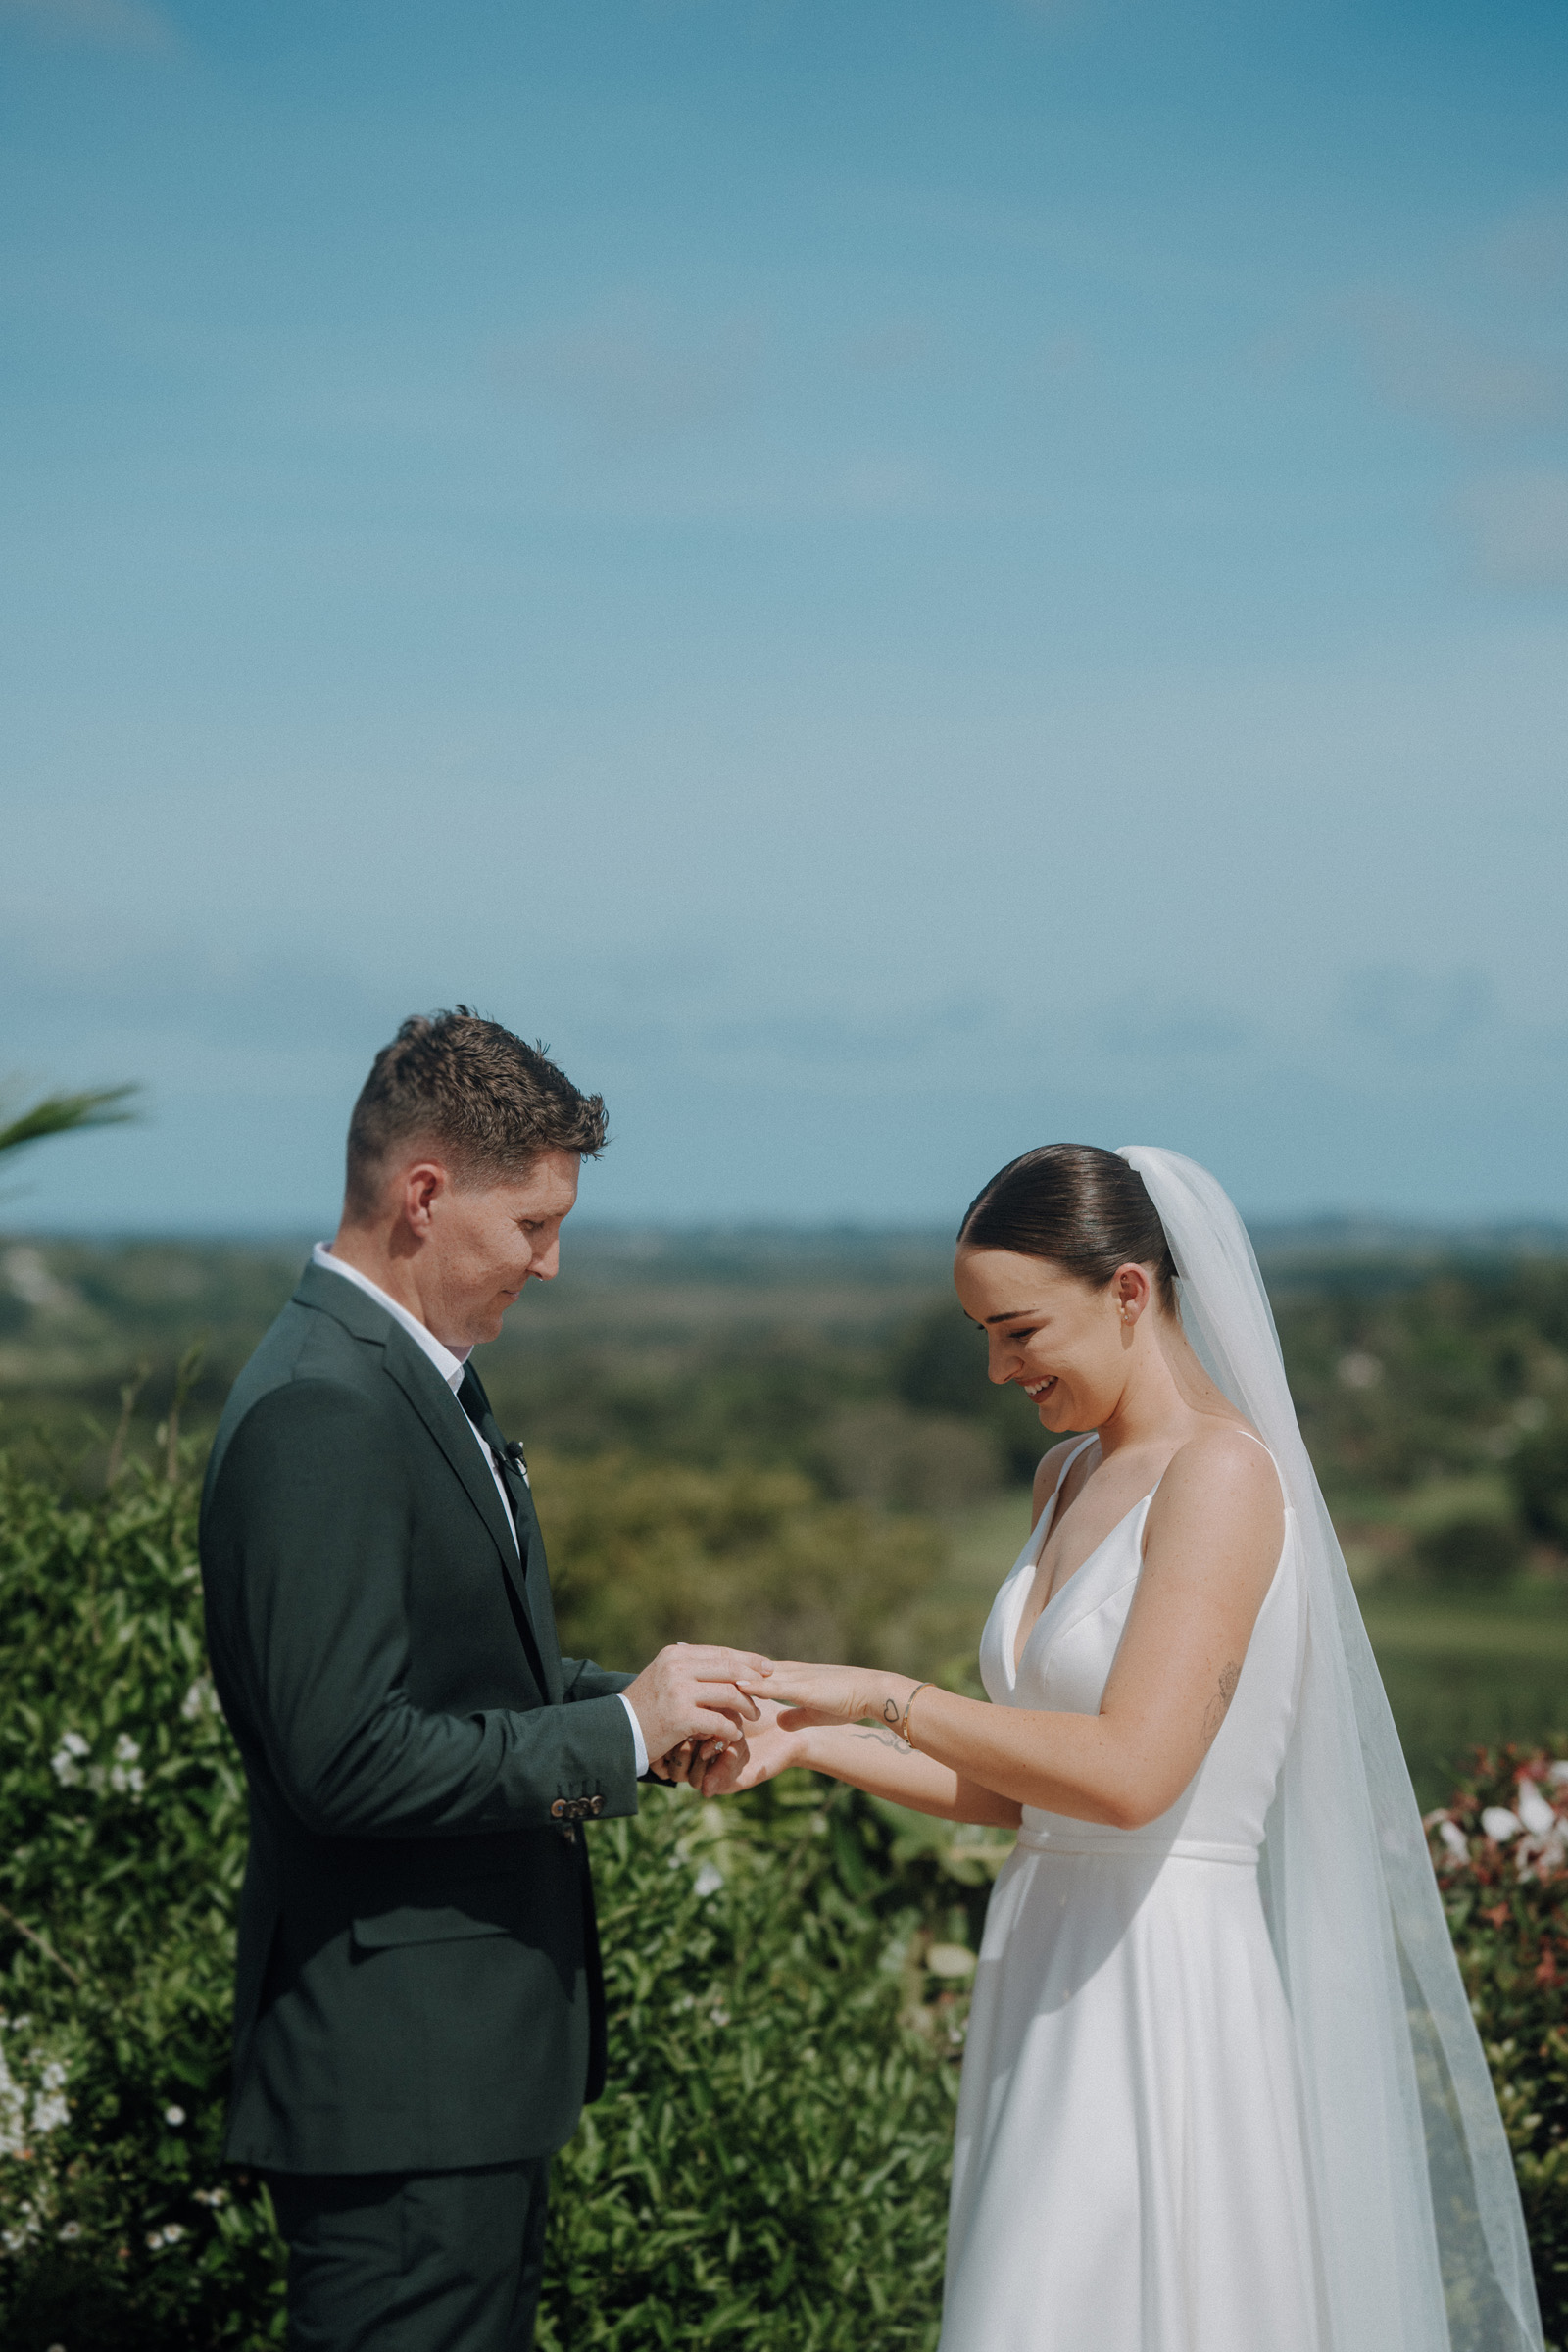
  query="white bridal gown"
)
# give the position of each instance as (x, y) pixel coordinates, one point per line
(1129, 2173)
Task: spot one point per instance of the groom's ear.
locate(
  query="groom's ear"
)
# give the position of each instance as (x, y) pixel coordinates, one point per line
(416, 1187)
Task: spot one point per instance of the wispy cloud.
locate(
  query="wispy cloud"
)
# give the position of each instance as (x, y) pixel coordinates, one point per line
(1174, 1032)
(91, 24)
(1417, 1016)
(891, 346)
(1519, 523)
(1422, 362)
(1529, 252)
(630, 373)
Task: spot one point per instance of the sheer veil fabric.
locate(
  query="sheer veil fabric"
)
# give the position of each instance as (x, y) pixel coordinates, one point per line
(1419, 2233)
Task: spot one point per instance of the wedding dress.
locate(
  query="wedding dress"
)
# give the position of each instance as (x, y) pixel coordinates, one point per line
(1222, 2090)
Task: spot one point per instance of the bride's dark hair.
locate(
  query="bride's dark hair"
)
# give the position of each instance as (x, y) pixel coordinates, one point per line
(1084, 1209)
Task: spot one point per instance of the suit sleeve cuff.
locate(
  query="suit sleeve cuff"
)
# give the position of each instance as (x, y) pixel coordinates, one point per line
(639, 1743)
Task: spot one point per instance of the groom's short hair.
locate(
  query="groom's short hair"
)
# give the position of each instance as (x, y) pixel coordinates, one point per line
(488, 1102)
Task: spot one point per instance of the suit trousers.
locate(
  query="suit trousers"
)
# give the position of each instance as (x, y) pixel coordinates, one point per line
(414, 2262)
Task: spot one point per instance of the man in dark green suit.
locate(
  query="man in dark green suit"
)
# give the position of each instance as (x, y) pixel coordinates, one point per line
(420, 2011)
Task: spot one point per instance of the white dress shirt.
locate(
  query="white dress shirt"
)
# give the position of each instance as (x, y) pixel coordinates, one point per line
(450, 1362)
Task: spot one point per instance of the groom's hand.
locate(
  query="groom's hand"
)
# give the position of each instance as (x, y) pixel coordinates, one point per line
(693, 1692)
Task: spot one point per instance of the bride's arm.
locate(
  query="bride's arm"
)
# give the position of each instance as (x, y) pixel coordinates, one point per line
(1213, 1544)
(872, 1758)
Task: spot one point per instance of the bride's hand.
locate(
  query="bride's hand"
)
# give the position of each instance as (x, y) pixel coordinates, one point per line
(831, 1694)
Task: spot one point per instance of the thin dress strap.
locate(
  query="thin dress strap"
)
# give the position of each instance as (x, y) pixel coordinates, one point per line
(1269, 1450)
(1042, 1525)
(1082, 1446)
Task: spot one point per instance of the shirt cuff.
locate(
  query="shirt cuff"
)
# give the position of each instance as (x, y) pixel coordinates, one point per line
(639, 1743)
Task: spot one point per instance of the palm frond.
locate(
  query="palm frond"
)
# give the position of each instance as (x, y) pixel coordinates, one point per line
(59, 1114)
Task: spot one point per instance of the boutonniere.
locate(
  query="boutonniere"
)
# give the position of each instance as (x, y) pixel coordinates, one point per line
(519, 1462)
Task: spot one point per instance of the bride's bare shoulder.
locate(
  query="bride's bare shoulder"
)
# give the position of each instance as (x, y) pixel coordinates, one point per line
(1224, 1470)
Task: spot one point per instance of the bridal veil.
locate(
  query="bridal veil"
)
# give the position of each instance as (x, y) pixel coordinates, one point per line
(1416, 2215)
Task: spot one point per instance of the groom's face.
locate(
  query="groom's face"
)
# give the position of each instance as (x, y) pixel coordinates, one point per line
(484, 1242)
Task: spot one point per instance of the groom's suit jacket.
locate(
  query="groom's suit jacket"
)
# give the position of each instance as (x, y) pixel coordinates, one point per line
(418, 1983)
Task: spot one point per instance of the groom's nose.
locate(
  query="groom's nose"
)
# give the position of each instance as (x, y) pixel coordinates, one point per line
(544, 1264)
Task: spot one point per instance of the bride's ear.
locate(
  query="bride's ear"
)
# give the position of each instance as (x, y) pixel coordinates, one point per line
(1131, 1292)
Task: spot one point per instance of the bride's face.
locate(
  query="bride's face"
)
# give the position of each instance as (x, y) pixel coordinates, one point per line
(1063, 1342)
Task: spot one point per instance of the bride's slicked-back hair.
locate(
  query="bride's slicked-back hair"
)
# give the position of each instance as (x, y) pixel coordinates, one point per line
(1082, 1207)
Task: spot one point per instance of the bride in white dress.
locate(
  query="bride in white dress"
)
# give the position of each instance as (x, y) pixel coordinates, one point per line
(1222, 2090)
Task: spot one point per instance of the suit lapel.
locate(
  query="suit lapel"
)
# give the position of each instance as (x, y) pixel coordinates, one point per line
(449, 1425)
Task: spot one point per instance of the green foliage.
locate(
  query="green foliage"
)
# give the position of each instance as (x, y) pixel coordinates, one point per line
(1538, 1475)
(1402, 1382)
(779, 2048)
(1499, 1847)
(121, 1842)
(61, 1114)
(643, 1552)
(770, 2166)
(1475, 1552)
(938, 1366)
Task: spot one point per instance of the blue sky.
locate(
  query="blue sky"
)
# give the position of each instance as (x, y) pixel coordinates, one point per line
(896, 580)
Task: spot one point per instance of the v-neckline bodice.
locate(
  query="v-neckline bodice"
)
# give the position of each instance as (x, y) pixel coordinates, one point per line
(1014, 1653)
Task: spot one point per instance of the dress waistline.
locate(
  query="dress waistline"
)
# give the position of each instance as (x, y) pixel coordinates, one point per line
(1128, 1842)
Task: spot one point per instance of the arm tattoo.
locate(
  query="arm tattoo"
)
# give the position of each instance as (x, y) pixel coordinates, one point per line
(1218, 1707)
(884, 1740)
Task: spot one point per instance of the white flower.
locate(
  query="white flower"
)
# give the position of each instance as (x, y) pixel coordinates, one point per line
(211, 2196)
(1455, 1839)
(174, 2115)
(65, 1763)
(128, 1780)
(200, 1699)
(69, 2230)
(1534, 1810)
(49, 2113)
(1497, 1822)
(126, 1750)
(709, 1881)
(174, 2232)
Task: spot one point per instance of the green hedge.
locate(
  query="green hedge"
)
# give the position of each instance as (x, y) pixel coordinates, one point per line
(1499, 1847)
(770, 2166)
(788, 1980)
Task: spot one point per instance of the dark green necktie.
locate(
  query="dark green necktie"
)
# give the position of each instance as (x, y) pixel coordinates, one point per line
(477, 1405)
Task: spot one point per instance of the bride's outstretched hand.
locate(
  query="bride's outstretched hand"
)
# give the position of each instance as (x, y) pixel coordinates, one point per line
(812, 1694)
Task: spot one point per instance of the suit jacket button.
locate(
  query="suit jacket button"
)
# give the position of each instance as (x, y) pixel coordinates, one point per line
(557, 1811)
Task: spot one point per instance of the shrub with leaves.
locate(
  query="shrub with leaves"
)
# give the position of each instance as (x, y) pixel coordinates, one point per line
(1501, 1847)
(776, 2138)
(788, 1978)
(644, 1552)
(121, 1844)
(770, 2166)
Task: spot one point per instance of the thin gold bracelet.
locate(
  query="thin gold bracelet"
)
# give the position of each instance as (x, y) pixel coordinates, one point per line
(904, 1728)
